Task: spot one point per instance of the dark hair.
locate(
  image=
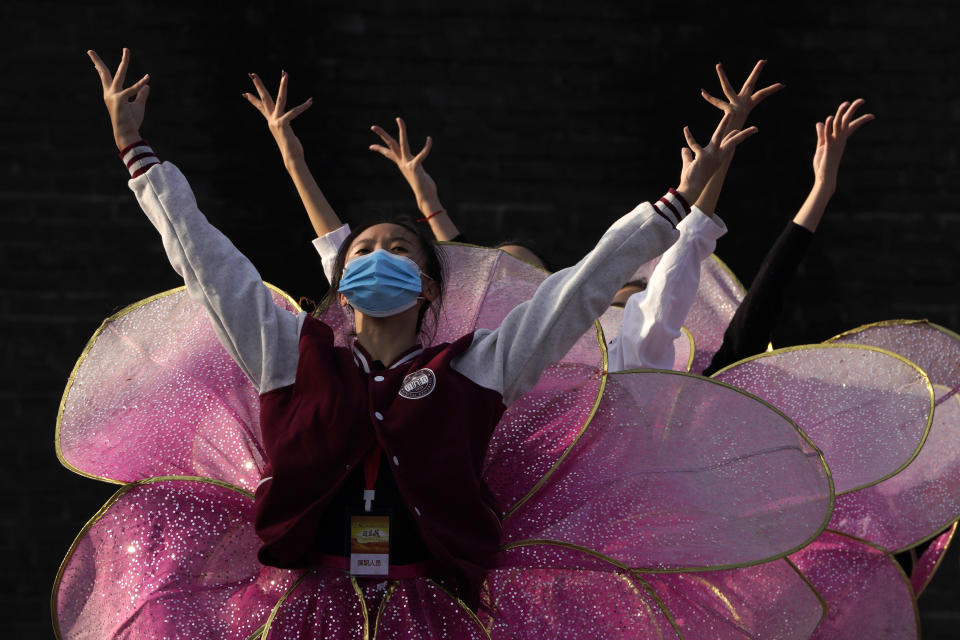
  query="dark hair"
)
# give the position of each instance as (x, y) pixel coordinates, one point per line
(529, 245)
(433, 268)
(640, 283)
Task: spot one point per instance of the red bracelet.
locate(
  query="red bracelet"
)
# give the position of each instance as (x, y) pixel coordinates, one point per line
(427, 218)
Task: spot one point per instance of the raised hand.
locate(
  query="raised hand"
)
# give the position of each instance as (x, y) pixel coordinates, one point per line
(126, 106)
(700, 163)
(739, 104)
(410, 165)
(832, 135)
(278, 120)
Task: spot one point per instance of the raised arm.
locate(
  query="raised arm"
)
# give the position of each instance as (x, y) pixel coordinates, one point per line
(537, 333)
(261, 338)
(739, 105)
(752, 326)
(423, 186)
(832, 136)
(321, 214)
(652, 318)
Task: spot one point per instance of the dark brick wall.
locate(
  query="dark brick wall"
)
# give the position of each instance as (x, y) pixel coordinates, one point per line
(550, 120)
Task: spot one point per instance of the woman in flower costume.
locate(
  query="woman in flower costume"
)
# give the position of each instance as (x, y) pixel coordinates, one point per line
(595, 537)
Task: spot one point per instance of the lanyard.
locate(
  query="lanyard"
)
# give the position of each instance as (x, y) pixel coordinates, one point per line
(371, 468)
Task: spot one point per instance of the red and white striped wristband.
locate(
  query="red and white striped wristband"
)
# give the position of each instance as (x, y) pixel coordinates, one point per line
(672, 206)
(138, 157)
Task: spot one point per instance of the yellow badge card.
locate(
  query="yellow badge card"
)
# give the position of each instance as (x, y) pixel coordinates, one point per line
(369, 545)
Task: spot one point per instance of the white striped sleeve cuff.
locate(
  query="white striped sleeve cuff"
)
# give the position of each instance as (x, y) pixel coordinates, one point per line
(673, 207)
(138, 157)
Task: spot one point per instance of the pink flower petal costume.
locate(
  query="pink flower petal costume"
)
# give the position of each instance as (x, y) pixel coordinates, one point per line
(623, 506)
(632, 504)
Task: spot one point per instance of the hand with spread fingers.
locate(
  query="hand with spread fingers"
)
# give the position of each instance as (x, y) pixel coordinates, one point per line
(126, 106)
(832, 135)
(700, 163)
(424, 187)
(322, 216)
(739, 104)
(278, 120)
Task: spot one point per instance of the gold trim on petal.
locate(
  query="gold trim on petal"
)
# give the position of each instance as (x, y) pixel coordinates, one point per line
(593, 412)
(693, 347)
(660, 603)
(872, 325)
(276, 607)
(363, 608)
(896, 565)
(936, 565)
(733, 276)
(86, 350)
(101, 512)
(848, 345)
(382, 606)
(824, 608)
(463, 605)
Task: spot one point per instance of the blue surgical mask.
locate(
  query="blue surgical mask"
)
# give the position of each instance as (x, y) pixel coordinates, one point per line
(381, 284)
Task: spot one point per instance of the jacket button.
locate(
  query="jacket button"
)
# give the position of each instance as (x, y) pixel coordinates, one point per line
(378, 415)
(416, 510)
(378, 378)
(396, 462)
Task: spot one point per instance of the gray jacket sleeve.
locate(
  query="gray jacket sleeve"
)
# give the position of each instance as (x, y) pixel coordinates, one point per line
(538, 332)
(261, 337)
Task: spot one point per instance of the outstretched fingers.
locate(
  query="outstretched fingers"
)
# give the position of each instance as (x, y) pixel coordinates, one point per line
(717, 102)
(728, 89)
(297, 110)
(265, 98)
(106, 78)
(402, 133)
(722, 129)
(121, 73)
(767, 91)
(691, 143)
(420, 157)
(135, 88)
(388, 140)
(282, 93)
(859, 122)
(734, 138)
(752, 78)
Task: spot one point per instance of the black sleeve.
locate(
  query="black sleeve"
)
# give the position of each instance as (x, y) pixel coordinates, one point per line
(752, 325)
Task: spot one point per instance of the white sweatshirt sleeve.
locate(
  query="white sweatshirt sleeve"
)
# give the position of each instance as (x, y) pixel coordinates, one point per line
(328, 245)
(262, 338)
(652, 318)
(538, 332)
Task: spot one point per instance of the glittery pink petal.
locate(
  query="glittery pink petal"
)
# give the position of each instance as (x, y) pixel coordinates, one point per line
(155, 394)
(167, 559)
(867, 594)
(931, 347)
(929, 562)
(917, 502)
(718, 297)
(537, 429)
(677, 471)
(867, 410)
(419, 609)
(565, 604)
(324, 605)
(771, 600)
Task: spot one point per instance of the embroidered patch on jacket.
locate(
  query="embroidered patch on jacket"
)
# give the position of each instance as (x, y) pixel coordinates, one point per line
(418, 384)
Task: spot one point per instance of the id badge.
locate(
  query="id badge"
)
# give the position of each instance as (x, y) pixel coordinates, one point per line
(369, 544)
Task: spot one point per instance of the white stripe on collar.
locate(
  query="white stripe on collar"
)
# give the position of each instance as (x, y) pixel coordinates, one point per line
(360, 360)
(407, 358)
